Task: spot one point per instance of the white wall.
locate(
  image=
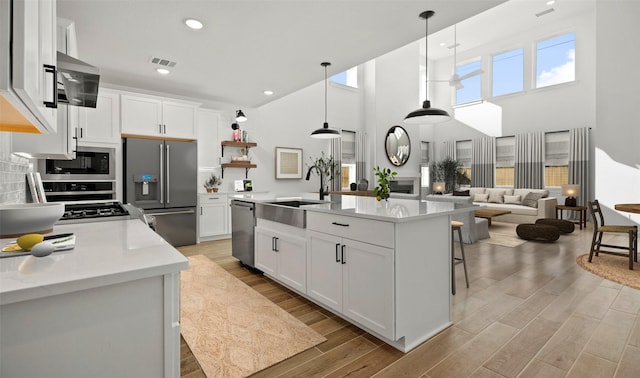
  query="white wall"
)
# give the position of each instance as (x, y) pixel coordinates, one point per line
(617, 136)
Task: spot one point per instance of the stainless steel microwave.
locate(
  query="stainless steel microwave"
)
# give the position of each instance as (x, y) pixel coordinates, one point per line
(90, 164)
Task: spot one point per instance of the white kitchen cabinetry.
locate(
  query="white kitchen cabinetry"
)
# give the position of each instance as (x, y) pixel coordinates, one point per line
(214, 216)
(61, 144)
(352, 277)
(208, 141)
(102, 124)
(27, 66)
(158, 117)
(280, 252)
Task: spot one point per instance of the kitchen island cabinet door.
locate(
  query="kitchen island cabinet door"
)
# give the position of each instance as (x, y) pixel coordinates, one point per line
(282, 254)
(368, 282)
(324, 269)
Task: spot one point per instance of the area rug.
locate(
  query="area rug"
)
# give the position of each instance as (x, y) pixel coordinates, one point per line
(232, 330)
(613, 268)
(504, 240)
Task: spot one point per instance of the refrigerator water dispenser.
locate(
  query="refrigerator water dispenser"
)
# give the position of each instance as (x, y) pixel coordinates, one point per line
(146, 187)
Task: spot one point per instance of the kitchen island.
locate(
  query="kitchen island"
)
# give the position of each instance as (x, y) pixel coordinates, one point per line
(383, 266)
(107, 308)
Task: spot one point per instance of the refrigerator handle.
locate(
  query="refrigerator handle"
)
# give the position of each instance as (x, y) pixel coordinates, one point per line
(161, 174)
(168, 175)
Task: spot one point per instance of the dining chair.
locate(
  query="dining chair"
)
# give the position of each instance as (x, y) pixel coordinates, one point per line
(599, 228)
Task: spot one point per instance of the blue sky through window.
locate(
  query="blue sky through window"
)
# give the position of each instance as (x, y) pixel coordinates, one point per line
(555, 60)
(340, 78)
(508, 72)
(472, 86)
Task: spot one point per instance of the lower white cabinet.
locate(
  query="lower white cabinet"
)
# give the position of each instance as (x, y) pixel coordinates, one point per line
(353, 278)
(213, 215)
(280, 252)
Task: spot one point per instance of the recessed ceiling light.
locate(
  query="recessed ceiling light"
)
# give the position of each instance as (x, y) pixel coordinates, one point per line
(163, 71)
(268, 92)
(551, 2)
(193, 23)
(442, 44)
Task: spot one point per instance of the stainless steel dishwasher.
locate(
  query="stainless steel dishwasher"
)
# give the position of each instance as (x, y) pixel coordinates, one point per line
(243, 221)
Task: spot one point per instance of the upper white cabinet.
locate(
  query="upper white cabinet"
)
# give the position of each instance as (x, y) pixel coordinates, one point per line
(158, 117)
(102, 124)
(208, 143)
(28, 66)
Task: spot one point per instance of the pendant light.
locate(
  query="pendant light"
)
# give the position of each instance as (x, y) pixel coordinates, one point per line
(426, 114)
(325, 132)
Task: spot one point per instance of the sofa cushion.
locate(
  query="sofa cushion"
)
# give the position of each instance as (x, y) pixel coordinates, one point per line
(474, 191)
(531, 199)
(480, 197)
(514, 200)
(496, 195)
(523, 192)
(515, 209)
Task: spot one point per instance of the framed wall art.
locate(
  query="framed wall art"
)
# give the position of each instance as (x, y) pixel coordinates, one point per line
(288, 163)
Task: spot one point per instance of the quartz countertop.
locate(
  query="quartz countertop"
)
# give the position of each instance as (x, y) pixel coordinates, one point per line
(105, 253)
(392, 210)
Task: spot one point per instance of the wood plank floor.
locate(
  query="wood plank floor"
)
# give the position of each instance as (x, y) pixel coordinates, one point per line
(530, 311)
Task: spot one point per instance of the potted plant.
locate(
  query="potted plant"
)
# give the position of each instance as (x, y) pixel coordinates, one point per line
(327, 169)
(384, 176)
(212, 183)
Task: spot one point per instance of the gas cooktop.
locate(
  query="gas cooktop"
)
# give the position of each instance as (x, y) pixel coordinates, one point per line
(91, 212)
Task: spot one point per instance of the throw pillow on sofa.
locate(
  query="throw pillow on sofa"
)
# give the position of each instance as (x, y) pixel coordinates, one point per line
(480, 197)
(531, 199)
(513, 200)
(496, 195)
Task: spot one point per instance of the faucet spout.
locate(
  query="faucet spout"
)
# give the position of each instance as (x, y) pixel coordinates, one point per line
(322, 192)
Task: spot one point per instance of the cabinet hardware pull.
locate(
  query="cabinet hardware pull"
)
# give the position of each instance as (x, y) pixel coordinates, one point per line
(275, 243)
(159, 128)
(164, 131)
(52, 70)
(81, 133)
(337, 252)
(344, 261)
(200, 210)
(340, 224)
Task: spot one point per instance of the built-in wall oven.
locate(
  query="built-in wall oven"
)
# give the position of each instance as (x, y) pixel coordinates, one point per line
(90, 176)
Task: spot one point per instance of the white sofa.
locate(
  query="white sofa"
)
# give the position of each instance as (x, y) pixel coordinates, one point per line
(474, 228)
(512, 200)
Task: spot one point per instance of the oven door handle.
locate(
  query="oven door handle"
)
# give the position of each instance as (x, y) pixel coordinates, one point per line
(171, 213)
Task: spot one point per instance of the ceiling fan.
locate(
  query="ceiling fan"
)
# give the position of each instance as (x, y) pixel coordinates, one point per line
(456, 80)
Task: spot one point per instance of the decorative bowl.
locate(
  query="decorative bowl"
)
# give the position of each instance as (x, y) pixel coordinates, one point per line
(25, 218)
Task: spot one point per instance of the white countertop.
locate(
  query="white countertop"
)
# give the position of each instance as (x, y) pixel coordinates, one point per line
(106, 253)
(393, 210)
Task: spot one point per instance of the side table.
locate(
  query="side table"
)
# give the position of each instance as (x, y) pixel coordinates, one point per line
(582, 210)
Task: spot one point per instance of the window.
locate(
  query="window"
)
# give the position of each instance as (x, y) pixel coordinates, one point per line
(424, 164)
(348, 165)
(471, 90)
(464, 151)
(348, 77)
(505, 161)
(556, 60)
(556, 161)
(508, 72)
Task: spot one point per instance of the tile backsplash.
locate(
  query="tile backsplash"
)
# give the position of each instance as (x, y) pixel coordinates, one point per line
(13, 169)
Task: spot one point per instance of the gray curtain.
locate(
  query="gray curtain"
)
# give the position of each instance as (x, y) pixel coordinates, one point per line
(448, 150)
(336, 152)
(529, 161)
(361, 155)
(482, 162)
(579, 162)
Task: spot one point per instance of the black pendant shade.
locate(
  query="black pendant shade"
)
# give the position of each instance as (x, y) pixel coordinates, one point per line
(426, 114)
(325, 132)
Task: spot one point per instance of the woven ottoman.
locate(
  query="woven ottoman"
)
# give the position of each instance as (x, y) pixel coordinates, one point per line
(542, 232)
(564, 226)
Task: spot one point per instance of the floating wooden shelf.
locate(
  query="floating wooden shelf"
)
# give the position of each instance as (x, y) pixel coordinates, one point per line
(237, 164)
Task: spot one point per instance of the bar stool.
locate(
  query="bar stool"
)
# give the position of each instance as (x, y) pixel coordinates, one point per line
(457, 226)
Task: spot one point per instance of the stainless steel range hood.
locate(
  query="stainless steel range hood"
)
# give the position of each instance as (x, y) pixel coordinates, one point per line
(77, 82)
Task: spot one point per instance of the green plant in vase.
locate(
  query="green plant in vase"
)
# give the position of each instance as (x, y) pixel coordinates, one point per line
(212, 183)
(384, 176)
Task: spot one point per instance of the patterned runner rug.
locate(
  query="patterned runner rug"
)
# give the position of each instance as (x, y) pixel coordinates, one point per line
(232, 330)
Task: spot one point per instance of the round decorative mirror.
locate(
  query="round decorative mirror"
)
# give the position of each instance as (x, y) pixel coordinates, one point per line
(397, 145)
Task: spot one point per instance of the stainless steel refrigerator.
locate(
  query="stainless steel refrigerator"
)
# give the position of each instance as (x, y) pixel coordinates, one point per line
(160, 177)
